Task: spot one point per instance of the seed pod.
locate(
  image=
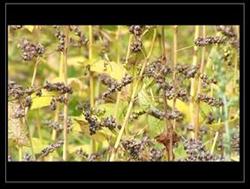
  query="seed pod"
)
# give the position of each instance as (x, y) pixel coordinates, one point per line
(209, 41)
(226, 30)
(136, 46)
(19, 112)
(28, 102)
(53, 104)
(136, 29)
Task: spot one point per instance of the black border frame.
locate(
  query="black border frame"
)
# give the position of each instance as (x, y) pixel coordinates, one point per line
(199, 166)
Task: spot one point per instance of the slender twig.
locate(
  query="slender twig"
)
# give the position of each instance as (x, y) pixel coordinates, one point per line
(118, 62)
(214, 142)
(194, 81)
(197, 107)
(184, 48)
(20, 153)
(91, 77)
(65, 111)
(34, 72)
(26, 109)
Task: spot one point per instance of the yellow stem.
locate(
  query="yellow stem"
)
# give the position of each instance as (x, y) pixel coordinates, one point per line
(194, 81)
(65, 111)
(20, 153)
(197, 106)
(214, 142)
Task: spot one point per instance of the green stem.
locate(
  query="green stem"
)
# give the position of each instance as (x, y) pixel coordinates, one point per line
(65, 110)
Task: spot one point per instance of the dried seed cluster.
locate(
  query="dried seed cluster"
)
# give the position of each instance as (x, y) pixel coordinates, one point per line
(158, 71)
(169, 114)
(19, 112)
(136, 115)
(95, 124)
(135, 148)
(210, 100)
(90, 157)
(229, 32)
(15, 90)
(188, 71)
(27, 157)
(58, 126)
(110, 122)
(117, 86)
(196, 151)
(180, 93)
(136, 45)
(82, 38)
(200, 41)
(136, 30)
(156, 155)
(210, 118)
(107, 80)
(61, 37)
(226, 30)
(206, 81)
(30, 50)
(51, 148)
(59, 87)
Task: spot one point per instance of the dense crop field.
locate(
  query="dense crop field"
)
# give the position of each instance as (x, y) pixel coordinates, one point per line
(123, 93)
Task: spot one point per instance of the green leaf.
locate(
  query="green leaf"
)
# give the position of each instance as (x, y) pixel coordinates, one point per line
(144, 100)
(179, 151)
(155, 126)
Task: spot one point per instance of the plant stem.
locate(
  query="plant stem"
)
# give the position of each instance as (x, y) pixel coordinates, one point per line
(194, 82)
(65, 111)
(128, 111)
(174, 65)
(227, 139)
(118, 62)
(130, 106)
(128, 49)
(91, 77)
(236, 61)
(91, 80)
(214, 142)
(26, 109)
(20, 153)
(34, 72)
(197, 107)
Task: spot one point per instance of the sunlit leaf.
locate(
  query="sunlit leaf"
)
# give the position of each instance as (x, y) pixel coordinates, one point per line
(116, 71)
